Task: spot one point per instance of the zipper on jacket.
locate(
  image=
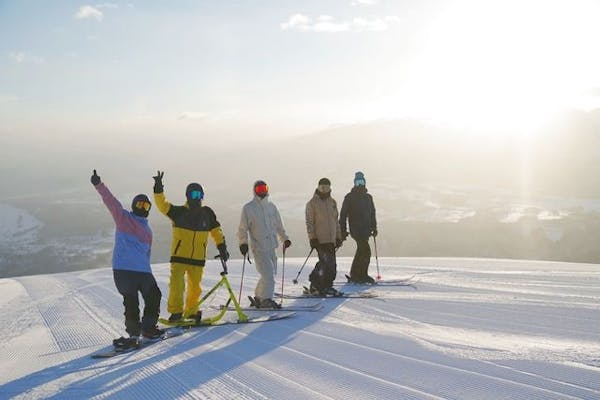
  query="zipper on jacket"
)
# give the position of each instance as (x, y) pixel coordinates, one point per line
(193, 241)
(329, 226)
(177, 247)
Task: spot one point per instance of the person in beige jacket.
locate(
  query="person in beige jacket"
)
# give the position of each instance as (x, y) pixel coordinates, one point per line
(325, 235)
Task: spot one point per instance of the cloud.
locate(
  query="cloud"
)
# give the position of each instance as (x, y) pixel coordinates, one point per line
(326, 23)
(86, 12)
(21, 57)
(17, 57)
(192, 116)
(107, 5)
(356, 3)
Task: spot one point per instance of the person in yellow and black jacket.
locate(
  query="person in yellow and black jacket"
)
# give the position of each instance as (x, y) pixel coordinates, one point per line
(192, 224)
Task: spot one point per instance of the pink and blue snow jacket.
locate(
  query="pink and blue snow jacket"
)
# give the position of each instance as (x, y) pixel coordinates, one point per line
(133, 236)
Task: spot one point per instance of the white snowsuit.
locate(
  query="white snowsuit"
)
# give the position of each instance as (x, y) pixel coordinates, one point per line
(260, 218)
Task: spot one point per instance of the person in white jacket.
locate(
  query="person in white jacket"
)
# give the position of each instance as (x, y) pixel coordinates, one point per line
(261, 220)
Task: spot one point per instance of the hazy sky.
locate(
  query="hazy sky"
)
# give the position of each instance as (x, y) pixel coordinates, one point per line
(259, 67)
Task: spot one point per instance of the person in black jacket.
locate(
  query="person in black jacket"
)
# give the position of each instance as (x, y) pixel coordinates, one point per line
(359, 210)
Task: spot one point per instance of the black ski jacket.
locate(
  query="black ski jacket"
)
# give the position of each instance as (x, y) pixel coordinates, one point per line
(359, 209)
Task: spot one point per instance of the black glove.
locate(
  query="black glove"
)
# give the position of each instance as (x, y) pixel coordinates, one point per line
(344, 235)
(158, 184)
(314, 243)
(374, 232)
(244, 248)
(223, 253)
(338, 243)
(95, 179)
(287, 243)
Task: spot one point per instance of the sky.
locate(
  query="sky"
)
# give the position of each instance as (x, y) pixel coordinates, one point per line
(251, 69)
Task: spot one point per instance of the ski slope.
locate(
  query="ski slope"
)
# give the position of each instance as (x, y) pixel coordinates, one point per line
(466, 329)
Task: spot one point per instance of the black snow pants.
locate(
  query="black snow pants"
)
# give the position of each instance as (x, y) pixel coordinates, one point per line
(129, 283)
(323, 275)
(360, 264)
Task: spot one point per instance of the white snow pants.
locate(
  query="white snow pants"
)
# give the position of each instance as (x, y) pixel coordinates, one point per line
(266, 265)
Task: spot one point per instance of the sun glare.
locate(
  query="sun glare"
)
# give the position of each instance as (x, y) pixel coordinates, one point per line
(505, 66)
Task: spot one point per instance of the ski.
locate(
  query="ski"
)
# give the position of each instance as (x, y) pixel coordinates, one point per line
(306, 295)
(190, 323)
(309, 307)
(114, 351)
(385, 282)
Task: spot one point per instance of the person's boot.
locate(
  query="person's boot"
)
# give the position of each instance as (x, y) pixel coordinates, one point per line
(198, 317)
(153, 333)
(268, 303)
(175, 317)
(123, 344)
(331, 292)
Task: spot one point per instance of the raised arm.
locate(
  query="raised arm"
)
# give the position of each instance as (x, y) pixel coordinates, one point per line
(114, 206)
(159, 196)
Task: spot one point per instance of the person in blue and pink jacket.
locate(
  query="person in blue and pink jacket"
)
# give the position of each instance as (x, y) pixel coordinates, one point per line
(131, 265)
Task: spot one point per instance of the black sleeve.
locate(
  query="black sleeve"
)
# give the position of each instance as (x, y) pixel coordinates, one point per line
(373, 217)
(344, 214)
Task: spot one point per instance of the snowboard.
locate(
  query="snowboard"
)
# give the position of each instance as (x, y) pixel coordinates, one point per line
(190, 323)
(114, 351)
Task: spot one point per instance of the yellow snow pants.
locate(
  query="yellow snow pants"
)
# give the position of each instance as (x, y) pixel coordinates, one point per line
(177, 283)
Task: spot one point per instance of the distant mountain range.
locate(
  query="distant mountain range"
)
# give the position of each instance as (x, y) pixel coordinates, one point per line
(438, 192)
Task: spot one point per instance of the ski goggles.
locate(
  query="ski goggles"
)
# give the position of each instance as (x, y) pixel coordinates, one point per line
(359, 182)
(196, 195)
(143, 205)
(324, 188)
(261, 189)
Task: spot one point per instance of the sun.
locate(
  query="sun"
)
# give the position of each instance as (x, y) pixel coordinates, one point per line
(499, 66)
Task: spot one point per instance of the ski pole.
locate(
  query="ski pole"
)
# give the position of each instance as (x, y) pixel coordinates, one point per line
(282, 275)
(301, 268)
(376, 258)
(242, 281)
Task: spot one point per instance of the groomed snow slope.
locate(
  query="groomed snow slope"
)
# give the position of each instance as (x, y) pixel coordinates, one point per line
(467, 329)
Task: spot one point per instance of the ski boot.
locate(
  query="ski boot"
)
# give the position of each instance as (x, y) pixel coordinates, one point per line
(198, 317)
(331, 292)
(125, 344)
(153, 333)
(268, 303)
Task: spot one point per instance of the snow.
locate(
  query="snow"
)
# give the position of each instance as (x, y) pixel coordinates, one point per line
(17, 226)
(466, 329)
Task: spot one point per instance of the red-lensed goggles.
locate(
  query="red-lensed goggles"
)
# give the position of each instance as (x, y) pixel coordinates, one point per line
(261, 189)
(143, 205)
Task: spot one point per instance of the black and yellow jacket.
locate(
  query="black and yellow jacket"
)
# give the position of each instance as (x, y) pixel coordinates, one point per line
(191, 227)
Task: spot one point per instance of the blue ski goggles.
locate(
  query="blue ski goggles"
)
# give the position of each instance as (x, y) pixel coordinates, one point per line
(196, 195)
